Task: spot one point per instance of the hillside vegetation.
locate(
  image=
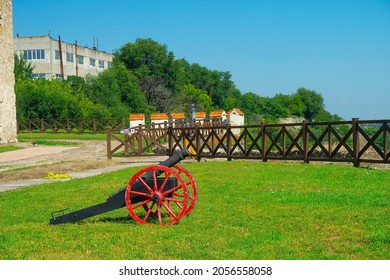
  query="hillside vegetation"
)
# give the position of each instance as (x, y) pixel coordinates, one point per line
(146, 77)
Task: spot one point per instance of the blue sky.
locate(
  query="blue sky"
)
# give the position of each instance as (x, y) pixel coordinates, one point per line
(339, 48)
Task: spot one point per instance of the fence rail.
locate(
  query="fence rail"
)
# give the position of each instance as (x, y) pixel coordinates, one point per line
(69, 125)
(353, 141)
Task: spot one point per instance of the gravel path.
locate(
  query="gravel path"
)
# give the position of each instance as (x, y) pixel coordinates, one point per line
(91, 152)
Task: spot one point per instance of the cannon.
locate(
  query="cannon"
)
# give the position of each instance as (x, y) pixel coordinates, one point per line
(160, 194)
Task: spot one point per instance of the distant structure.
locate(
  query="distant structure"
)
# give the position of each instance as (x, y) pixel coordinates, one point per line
(235, 117)
(218, 114)
(200, 116)
(7, 78)
(136, 120)
(54, 59)
(159, 118)
(177, 118)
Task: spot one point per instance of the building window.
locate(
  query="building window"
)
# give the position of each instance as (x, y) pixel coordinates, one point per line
(80, 59)
(57, 55)
(34, 54)
(109, 64)
(101, 63)
(58, 76)
(69, 57)
(92, 62)
(38, 76)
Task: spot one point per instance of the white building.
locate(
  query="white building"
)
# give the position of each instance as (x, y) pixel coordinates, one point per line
(56, 59)
(235, 118)
(136, 120)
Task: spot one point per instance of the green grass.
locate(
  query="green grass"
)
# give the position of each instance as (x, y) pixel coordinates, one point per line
(7, 148)
(245, 210)
(55, 143)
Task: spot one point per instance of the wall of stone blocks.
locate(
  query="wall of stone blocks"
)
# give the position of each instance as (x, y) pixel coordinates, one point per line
(7, 79)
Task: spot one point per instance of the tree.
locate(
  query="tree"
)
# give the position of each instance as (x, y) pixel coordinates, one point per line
(36, 99)
(292, 103)
(189, 95)
(117, 89)
(23, 68)
(153, 65)
(313, 101)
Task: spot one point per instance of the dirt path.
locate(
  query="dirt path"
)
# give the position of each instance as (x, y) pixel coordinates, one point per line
(33, 162)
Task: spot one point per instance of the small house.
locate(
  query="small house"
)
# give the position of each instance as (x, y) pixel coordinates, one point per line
(235, 117)
(177, 118)
(159, 118)
(218, 114)
(136, 119)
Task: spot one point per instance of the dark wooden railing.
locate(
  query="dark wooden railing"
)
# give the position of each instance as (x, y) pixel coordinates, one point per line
(353, 141)
(69, 125)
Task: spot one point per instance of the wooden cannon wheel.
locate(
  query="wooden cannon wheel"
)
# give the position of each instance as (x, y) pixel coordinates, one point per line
(158, 206)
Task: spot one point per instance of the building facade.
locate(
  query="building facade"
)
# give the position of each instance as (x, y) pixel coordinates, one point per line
(54, 59)
(136, 120)
(7, 79)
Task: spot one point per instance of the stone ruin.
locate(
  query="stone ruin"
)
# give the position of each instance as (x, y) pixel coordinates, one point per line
(7, 78)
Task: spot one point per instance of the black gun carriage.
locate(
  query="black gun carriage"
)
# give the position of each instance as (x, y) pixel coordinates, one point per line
(162, 194)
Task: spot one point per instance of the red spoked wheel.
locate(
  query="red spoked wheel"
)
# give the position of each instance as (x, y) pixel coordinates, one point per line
(151, 201)
(191, 187)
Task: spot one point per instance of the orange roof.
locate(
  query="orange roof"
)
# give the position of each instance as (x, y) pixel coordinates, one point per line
(217, 113)
(159, 116)
(178, 116)
(238, 111)
(201, 115)
(137, 117)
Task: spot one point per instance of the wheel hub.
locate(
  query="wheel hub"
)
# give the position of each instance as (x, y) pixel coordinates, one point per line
(155, 198)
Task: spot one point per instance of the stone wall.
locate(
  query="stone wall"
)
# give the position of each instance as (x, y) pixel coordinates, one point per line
(7, 79)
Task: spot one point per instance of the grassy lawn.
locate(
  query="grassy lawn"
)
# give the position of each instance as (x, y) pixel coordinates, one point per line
(55, 143)
(8, 148)
(245, 210)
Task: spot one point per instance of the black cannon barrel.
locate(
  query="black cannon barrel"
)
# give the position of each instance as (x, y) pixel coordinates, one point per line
(116, 200)
(172, 160)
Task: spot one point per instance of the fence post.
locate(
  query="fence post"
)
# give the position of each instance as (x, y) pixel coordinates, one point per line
(67, 125)
(126, 144)
(139, 139)
(108, 133)
(94, 126)
(170, 136)
(228, 144)
(305, 135)
(42, 125)
(263, 143)
(197, 135)
(356, 144)
(385, 142)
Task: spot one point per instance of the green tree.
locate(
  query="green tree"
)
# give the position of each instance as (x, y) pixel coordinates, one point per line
(23, 68)
(116, 89)
(155, 68)
(189, 95)
(36, 99)
(292, 103)
(313, 101)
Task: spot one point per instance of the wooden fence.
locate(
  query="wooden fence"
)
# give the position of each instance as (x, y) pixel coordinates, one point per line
(69, 125)
(151, 139)
(353, 141)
